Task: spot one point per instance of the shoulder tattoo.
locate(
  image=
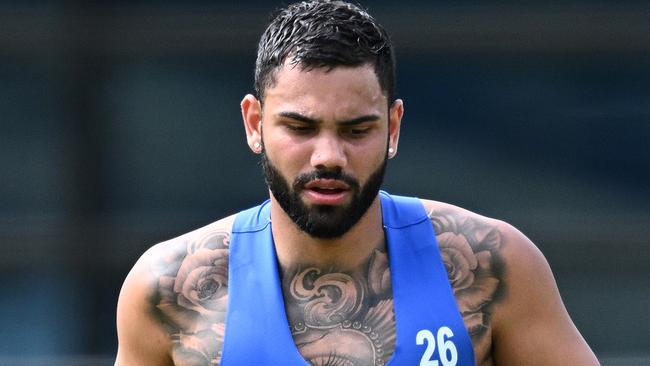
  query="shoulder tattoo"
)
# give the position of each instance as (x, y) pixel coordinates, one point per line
(470, 250)
(192, 295)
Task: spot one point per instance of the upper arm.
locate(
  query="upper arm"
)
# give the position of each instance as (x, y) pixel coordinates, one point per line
(531, 325)
(142, 339)
(173, 303)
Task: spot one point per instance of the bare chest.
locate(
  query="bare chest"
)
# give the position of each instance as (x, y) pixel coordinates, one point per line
(348, 319)
(324, 338)
(339, 318)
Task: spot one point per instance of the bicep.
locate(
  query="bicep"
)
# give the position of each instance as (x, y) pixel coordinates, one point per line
(532, 326)
(142, 340)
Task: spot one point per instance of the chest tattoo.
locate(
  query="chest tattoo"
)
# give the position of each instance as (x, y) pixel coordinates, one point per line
(335, 317)
(342, 318)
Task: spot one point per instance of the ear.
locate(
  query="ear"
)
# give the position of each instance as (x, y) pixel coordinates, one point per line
(251, 111)
(395, 114)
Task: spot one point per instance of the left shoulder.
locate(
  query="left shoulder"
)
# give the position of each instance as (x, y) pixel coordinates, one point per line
(472, 248)
(496, 252)
(482, 233)
(505, 291)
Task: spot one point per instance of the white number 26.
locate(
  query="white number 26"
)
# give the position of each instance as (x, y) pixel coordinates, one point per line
(446, 348)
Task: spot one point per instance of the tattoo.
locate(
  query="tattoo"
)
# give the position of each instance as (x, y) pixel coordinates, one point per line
(470, 252)
(192, 298)
(335, 317)
(342, 318)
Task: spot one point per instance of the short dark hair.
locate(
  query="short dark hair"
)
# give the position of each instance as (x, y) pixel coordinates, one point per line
(324, 34)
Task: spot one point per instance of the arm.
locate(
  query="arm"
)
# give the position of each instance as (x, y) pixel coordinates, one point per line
(505, 292)
(172, 306)
(142, 339)
(531, 325)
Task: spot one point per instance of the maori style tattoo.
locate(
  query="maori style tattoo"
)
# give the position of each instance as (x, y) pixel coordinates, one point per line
(192, 298)
(342, 318)
(470, 251)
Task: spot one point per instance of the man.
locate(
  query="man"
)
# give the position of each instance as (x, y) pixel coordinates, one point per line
(331, 271)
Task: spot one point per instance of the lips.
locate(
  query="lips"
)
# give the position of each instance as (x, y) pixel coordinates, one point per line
(326, 191)
(327, 185)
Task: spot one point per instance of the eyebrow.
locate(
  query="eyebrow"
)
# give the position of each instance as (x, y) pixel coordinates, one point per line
(350, 122)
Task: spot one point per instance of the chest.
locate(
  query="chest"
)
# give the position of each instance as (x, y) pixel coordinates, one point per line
(340, 318)
(344, 319)
(404, 308)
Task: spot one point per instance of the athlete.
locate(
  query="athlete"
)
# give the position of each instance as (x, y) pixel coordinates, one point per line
(331, 270)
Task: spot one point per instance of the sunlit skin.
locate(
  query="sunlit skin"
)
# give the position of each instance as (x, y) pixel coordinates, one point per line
(325, 119)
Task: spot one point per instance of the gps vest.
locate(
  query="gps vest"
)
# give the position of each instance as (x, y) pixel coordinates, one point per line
(430, 330)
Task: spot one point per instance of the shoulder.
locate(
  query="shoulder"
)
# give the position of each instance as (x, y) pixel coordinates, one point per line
(174, 298)
(473, 250)
(505, 291)
(171, 268)
(165, 258)
(453, 224)
(170, 257)
(477, 253)
(484, 249)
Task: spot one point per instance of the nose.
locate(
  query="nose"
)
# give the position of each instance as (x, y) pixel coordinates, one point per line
(328, 153)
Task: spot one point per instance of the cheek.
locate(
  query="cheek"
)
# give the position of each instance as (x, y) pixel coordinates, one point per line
(287, 155)
(367, 158)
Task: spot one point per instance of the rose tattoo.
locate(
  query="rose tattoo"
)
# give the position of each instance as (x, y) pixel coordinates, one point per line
(469, 250)
(193, 287)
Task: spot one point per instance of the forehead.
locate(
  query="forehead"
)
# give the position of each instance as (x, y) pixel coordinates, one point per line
(337, 93)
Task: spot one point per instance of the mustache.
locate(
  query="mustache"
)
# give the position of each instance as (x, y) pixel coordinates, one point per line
(300, 181)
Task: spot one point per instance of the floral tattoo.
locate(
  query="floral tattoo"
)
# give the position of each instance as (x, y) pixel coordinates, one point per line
(192, 298)
(470, 252)
(335, 317)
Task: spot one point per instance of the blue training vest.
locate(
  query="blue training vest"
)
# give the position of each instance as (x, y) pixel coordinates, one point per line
(426, 314)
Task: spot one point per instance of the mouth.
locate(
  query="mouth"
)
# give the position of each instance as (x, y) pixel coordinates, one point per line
(326, 191)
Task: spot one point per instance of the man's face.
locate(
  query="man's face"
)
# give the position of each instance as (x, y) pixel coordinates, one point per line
(325, 136)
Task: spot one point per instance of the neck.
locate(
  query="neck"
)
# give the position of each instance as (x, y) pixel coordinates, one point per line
(294, 247)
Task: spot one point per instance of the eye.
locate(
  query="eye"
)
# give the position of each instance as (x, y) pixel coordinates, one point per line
(358, 132)
(299, 129)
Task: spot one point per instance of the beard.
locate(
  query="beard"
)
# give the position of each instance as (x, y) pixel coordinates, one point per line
(323, 221)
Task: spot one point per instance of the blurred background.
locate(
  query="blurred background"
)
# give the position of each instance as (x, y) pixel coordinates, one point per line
(120, 128)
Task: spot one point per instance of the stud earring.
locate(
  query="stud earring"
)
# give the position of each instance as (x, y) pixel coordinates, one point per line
(391, 153)
(257, 147)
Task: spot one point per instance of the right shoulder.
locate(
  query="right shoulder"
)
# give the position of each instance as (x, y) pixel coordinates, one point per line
(172, 305)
